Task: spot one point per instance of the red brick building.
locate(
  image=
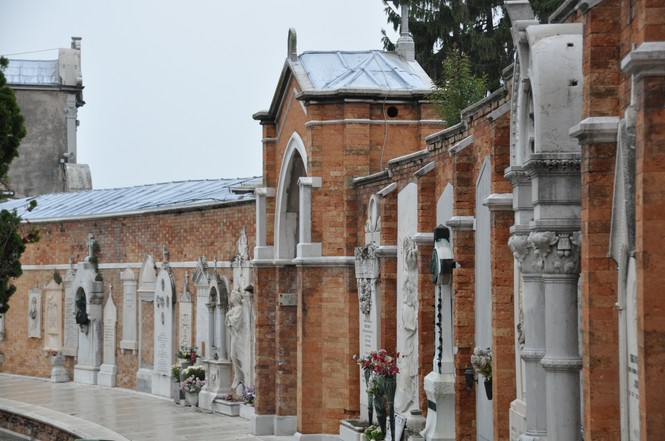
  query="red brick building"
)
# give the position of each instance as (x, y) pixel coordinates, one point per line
(563, 163)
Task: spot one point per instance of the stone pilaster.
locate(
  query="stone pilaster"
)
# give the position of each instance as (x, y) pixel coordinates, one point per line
(533, 304)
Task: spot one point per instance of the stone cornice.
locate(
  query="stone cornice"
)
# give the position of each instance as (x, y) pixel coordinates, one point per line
(596, 130)
(646, 60)
(461, 223)
(499, 202)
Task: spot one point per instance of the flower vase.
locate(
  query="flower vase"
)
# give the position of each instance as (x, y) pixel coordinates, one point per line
(192, 398)
(390, 384)
(58, 371)
(370, 399)
(175, 391)
(488, 389)
(380, 406)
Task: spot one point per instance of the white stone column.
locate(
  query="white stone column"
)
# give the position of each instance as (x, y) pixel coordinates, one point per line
(533, 304)
(305, 246)
(262, 250)
(554, 244)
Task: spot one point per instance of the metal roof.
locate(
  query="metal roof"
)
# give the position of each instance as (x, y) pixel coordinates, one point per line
(363, 70)
(135, 200)
(34, 72)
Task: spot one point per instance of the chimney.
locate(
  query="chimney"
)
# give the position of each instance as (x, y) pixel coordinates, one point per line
(76, 43)
(405, 46)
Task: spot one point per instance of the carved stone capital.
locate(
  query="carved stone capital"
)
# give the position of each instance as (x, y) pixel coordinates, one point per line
(517, 176)
(555, 253)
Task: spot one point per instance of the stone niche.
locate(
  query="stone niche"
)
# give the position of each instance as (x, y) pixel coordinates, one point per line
(88, 297)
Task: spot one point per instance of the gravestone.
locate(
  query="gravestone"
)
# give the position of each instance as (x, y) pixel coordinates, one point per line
(185, 317)
(89, 293)
(2, 327)
(35, 313)
(53, 316)
(146, 294)
(201, 279)
(483, 297)
(129, 338)
(367, 273)
(109, 370)
(71, 329)
(406, 396)
(164, 330)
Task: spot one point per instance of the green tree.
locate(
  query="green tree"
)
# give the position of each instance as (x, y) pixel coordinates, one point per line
(458, 87)
(13, 235)
(479, 28)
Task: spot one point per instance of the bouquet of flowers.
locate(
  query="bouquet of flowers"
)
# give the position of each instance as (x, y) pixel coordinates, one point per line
(364, 362)
(249, 394)
(481, 360)
(194, 379)
(384, 364)
(188, 353)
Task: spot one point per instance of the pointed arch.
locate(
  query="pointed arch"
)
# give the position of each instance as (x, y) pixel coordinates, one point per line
(294, 166)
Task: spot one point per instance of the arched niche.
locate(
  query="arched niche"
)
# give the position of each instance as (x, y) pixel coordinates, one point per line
(217, 307)
(287, 210)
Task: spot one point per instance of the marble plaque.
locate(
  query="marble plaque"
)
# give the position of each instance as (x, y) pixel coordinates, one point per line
(53, 316)
(129, 311)
(71, 330)
(185, 320)
(110, 320)
(35, 313)
(164, 333)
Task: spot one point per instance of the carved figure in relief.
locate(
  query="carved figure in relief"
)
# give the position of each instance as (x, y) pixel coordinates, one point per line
(236, 325)
(408, 326)
(32, 314)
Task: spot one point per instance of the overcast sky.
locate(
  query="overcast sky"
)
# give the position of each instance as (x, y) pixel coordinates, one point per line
(171, 86)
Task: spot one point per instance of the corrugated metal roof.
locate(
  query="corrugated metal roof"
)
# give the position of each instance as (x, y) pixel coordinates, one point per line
(366, 70)
(35, 72)
(135, 200)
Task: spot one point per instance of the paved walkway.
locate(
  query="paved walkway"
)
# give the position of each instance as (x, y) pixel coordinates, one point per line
(133, 415)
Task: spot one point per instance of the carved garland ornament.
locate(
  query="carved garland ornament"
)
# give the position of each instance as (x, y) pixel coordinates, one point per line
(367, 271)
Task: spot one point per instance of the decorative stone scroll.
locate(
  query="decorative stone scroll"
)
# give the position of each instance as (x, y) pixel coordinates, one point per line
(35, 313)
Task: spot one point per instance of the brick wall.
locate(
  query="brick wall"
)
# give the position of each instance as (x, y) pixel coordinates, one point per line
(124, 240)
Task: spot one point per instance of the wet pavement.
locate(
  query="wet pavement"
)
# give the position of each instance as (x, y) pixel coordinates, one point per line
(98, 412)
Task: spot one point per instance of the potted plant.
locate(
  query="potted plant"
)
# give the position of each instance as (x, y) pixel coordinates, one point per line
(481, 360)
(194, 380)
(249, 395)
(374, 433)
(177, 393)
